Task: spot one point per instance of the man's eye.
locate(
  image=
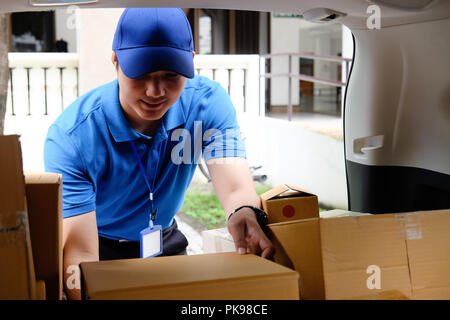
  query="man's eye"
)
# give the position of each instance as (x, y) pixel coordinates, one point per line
(171, 75)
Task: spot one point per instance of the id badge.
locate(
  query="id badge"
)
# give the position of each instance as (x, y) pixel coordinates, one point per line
(151, 241)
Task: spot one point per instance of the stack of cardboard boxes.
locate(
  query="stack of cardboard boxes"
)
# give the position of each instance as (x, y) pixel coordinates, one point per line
(334, 255)
(348, 255)
(30, 228)
(31, 253)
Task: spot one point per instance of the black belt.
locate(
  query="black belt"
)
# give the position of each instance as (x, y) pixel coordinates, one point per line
(174, 243)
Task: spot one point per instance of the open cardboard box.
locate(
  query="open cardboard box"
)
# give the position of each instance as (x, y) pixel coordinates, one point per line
(220, 276)
(30, 228)
(289, 203)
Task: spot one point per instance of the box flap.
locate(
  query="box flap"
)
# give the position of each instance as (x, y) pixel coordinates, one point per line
(273, 192)
(44, 201)
(279, 190)
(294, 188)
(300, 241)
(42, 178)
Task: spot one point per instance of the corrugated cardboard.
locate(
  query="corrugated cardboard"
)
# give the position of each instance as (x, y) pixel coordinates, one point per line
(428, 244)
(411, 250)
(40, 290)
(17, 279)
(297, 245)
(383, 295)
(221, 276)
(351, 244)
(44, 200)
(217, 240)
(289, 203)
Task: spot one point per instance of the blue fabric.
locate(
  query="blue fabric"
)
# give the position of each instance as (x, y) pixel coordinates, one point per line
(154, 39)
(89, 145)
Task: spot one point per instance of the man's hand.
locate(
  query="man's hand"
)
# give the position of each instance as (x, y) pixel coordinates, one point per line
(234, 188)
(247, 234)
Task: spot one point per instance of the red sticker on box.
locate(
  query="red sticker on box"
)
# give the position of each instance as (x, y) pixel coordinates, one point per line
(288, 211)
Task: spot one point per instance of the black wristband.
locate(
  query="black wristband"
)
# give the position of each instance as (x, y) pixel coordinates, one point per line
(261, 216)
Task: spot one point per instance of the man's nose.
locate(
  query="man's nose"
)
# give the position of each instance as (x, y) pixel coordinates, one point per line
(154, 88)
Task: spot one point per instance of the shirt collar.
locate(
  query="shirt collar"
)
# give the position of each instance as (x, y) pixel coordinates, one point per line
(118, 125)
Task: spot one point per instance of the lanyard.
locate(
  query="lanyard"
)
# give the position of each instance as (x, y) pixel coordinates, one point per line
(151, 187)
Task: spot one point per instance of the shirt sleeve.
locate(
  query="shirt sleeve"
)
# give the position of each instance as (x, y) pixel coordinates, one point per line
(62, 156)
(221, 138)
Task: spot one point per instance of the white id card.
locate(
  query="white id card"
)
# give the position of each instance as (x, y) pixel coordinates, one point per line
(151, 241)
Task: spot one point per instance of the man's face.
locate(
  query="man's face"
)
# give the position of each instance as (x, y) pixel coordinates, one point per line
(148, 98)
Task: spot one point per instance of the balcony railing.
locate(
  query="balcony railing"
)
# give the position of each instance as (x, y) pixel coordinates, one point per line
(44, 84)
(290, 74)
(41, 83)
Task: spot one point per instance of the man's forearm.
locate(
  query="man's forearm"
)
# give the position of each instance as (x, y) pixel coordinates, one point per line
(72, 273)
(239, 198)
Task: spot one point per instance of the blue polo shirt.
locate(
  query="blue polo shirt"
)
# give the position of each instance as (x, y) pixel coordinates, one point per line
(89, 144)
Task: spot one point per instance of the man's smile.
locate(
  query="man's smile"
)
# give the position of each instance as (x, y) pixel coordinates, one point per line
(153, 104)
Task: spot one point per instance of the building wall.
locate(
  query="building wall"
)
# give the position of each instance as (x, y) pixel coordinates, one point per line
(284, 38)
(94, 37)
(292, 154)
(292, 34)
(65, 27)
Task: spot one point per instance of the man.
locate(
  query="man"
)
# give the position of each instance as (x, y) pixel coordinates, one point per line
(120, 143)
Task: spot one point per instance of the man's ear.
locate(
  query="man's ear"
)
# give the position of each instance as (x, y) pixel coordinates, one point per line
(114, 58)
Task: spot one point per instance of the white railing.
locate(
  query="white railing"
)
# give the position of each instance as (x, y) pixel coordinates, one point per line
(238, 74)
(46, 83)
(41, 83)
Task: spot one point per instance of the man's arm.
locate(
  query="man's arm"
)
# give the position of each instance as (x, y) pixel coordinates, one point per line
(234, 187)
(80, 243)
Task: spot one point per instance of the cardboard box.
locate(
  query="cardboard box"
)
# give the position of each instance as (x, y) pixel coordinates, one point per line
(44, 200)
(17, 277)
(40, 290)
(407, 252)
(289, 203)
(217, 240)
(383, 295)
(221, 276)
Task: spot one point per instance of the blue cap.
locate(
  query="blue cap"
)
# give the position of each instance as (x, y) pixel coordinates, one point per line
(154, 39)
